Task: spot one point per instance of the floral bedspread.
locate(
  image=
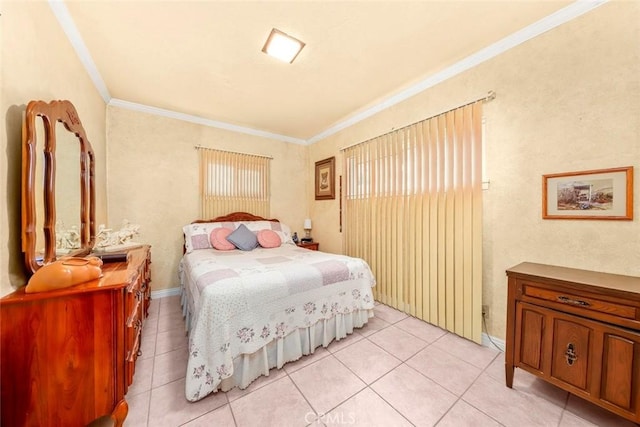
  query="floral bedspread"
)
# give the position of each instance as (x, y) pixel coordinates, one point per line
(240, 301)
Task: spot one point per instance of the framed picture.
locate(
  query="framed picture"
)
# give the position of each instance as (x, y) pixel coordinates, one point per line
(596, 194)
(326, 179)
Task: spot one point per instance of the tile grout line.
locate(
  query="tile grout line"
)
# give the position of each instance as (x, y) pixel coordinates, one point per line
(228, 402)
(368, 386)
(153, 364)
(302, 394)
(430, 379)
(460, 398)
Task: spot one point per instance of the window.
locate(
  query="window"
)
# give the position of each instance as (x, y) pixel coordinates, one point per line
(233, 182)
(413, 211)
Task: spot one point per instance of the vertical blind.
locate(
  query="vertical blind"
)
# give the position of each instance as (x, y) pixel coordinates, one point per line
(233, 182)
(413, 211)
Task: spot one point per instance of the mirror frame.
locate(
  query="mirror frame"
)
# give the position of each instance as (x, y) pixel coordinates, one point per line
(52, 113)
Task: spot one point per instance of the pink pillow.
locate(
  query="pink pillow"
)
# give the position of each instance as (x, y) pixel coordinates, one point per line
(219, 239)
(269, 239)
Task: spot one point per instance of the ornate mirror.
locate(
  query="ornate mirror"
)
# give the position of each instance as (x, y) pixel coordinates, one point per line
(58, 189)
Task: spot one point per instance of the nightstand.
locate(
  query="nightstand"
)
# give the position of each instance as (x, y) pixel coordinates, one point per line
(313, 246)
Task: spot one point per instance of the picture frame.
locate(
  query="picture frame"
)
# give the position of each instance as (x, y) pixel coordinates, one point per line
(594, 194)
(325, 183)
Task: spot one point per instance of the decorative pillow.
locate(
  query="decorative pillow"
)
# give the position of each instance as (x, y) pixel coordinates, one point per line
(243, 238)
(197, 236)
(219, 239)
(281, 229)
(199, 241)
(269, 239)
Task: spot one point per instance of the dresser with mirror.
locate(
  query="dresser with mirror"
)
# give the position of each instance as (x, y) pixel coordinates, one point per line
(67, 354)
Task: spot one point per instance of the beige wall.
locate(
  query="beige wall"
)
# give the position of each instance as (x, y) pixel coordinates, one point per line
(38, 63)
(568, 100)
(153, 180)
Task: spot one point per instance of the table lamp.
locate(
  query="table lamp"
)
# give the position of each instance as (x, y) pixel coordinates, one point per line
(307, 228)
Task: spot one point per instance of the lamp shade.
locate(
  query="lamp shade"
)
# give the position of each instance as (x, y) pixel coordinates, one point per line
(307, 224)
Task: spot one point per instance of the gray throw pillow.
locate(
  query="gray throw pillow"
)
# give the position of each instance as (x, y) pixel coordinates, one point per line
(243, 238)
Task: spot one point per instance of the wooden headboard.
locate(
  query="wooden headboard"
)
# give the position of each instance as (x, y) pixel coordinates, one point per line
(236, 216)
(232, 217)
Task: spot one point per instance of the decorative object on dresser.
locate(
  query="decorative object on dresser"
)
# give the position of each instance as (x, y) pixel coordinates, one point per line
(578, 330)
(67, 354)
(63, 273)
(108, 240)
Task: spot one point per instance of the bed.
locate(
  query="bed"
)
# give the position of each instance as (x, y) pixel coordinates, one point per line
(248, 311)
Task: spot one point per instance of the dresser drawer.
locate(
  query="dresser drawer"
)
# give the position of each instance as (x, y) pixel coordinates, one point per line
(133, 347)
(582, 303)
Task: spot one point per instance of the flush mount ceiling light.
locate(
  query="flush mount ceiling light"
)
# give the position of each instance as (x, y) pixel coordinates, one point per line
(282, 46)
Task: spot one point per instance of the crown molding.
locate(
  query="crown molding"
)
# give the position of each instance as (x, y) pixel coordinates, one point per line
(550, 22)
(547, 23)
(69, 27)
(201, 121)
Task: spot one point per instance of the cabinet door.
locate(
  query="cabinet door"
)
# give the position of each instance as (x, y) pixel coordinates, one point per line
(530, 327)
(571, 352)
(620, 370)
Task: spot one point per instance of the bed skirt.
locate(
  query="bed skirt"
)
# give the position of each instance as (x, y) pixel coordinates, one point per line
(249, 367)
(304, 341)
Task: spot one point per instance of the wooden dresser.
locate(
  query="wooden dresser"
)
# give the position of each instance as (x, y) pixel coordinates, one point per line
(68, 356)
(579, 330)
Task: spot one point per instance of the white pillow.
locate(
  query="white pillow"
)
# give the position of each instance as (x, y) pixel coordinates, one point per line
(197, 236)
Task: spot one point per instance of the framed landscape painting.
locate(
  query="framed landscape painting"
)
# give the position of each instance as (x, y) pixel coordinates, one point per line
(595, 194)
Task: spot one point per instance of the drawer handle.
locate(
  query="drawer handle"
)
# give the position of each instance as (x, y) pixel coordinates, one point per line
(570, 354)
(567, 300)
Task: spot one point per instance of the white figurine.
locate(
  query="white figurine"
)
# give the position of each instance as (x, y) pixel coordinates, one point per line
(110, 241)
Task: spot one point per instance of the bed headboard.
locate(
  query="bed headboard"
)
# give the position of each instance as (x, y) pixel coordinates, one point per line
(235, 216)
(232, 217)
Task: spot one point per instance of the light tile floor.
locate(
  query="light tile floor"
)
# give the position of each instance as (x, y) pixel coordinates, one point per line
(396, 371)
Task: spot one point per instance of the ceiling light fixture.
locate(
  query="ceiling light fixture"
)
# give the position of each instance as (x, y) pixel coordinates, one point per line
(282, 46)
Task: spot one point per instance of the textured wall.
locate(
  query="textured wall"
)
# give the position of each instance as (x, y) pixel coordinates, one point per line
(38, 63)
(153, 180)
(568, 100)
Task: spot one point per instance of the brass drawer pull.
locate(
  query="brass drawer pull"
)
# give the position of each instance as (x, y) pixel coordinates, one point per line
(567, 300)
(570, 354)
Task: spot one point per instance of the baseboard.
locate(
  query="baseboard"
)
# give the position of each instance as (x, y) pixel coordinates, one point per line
(497, 342)
(171, 292)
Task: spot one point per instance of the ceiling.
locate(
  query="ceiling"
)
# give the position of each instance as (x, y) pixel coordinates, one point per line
(203, 59)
